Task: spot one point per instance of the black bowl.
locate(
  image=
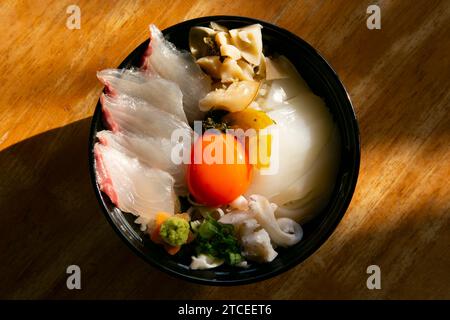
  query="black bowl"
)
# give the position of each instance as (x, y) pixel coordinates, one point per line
(324, 82)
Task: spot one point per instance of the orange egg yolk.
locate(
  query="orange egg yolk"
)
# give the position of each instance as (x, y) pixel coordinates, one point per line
(219, 171)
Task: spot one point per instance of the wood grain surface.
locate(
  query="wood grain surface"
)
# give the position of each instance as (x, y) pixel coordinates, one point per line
(397, 77)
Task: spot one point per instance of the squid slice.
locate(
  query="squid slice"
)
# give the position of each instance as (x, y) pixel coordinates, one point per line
(203, 261)
(283, 233)
(132, 186)
(240, 203)
(304, 128)
(256, 243)
(308, 149)
(236, 217)
(161, 93)
(163, 58)
(282, 83)
(309, 194)
(153, 152)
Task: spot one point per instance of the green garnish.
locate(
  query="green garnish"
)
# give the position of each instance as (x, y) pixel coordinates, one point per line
(175, 231)
(234, 258)
(207, 230)
(218, 240)
(213, 120)
(210, 123)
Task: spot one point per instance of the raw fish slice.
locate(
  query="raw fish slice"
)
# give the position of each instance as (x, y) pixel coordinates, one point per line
(154, 152)
(160, 93)
(127, 114)
(132, 186)
(163, 58)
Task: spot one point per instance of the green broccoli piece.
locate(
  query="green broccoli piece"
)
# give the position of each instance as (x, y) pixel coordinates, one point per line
(174, 231)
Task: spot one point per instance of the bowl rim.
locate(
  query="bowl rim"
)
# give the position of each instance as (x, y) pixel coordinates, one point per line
(324, 236)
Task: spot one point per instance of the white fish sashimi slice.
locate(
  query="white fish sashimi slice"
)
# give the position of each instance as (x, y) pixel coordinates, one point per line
(160, 93)
(128, 114)
(132, 186)
(154, 152)
(163, 58)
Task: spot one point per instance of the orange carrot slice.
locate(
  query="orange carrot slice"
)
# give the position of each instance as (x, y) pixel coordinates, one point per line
(172, 250)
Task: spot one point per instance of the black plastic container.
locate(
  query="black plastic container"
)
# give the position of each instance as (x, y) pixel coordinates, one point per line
(324, 82)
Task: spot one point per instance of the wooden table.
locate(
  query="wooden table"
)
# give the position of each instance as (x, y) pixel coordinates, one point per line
(397, 77)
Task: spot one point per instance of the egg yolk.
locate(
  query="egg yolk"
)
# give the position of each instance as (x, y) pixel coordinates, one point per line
(219, 171)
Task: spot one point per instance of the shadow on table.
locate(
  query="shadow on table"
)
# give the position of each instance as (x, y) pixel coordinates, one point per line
(50, 219)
